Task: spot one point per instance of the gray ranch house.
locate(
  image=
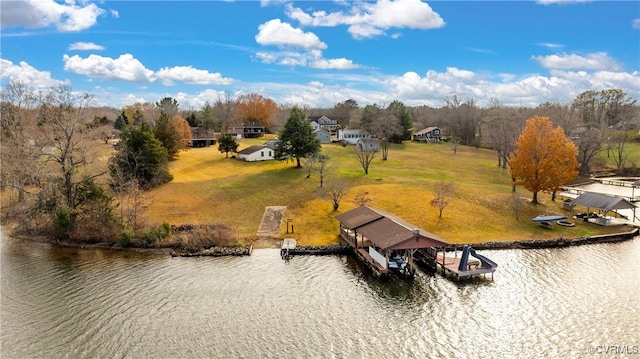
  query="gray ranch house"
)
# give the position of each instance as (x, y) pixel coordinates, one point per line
(429, 134)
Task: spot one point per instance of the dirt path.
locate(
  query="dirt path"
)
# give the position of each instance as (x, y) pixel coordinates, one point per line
(271, 222)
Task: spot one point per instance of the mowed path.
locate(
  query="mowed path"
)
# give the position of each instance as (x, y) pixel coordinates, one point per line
(271, 222)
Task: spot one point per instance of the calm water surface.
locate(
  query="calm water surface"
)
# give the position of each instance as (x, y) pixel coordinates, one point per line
(555, 303)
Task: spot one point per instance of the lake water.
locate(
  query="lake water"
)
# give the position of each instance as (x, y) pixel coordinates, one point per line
(551, 303)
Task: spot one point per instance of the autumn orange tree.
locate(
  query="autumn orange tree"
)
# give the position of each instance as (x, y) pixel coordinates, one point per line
(255, 108)
(544, 158)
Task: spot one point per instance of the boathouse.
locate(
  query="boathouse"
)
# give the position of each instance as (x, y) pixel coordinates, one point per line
(383, 241)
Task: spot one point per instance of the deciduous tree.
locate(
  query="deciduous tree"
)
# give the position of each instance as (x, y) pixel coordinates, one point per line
(365, 157)
(443, 193)
(545, 158)
(255, 108)
(335, 191)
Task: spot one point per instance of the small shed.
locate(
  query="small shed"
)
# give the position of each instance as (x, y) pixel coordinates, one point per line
(256, 153)
(368, 144)
(429, 134)
(323, 135)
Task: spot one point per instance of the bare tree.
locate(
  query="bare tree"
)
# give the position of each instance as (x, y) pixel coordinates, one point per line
(20, 138)
(68, 135)
(335, 191)
(310, 164)
(617, 145)
(443, 192)
(365, 157)
(324, 168)
(362, 199)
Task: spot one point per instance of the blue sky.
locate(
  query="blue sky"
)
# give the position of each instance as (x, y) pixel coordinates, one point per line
(319, 53)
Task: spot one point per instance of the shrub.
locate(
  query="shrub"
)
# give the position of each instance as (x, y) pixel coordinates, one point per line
(125, 237)
(157, 234)
(62, 222)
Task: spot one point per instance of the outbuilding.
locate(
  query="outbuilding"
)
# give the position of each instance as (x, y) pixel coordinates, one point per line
(256, 153)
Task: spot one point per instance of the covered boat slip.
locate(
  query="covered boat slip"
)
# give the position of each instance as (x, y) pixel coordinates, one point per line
(605, 204)
(388, 244)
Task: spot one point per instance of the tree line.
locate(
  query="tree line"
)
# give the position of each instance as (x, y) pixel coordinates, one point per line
(47, 136)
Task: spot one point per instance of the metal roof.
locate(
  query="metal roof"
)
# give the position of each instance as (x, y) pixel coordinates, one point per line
(387, 231)
(601, 201)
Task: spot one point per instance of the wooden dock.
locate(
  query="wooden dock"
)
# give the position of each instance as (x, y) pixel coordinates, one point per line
(451, 266)
(378, 270)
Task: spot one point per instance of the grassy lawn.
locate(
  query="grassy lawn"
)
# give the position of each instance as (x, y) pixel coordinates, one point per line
(209, 188)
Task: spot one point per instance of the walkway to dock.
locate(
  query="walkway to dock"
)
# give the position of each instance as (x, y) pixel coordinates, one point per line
(271, 222)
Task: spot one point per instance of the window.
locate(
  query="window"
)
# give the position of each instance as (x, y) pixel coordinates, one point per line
(261, 153)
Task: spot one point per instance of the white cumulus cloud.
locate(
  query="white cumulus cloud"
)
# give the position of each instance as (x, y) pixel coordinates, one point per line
(366, 20)
(27, 74)
(594, 61)
(635, 23)
(85, 46)
(282, 34)
(124, 68)
(66, 17)
(191, 75)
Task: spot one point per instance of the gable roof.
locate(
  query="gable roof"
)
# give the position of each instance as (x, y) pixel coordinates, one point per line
(252, 149)
(426, 130)
(601, 201)
(388, 231)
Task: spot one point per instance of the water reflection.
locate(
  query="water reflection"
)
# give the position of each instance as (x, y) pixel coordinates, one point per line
(92, 303)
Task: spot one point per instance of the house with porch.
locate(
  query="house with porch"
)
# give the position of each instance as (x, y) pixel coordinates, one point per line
(429, 134)
(202, 137)
(325, 123)
(248, 130)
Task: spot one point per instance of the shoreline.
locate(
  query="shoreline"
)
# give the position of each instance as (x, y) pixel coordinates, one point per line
(275, 243)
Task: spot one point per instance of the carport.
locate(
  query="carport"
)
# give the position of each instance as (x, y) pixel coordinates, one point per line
(603, 203)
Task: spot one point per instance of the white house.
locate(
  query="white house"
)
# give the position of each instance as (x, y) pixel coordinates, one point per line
(256, 153)
(352, 136)
(315, 125)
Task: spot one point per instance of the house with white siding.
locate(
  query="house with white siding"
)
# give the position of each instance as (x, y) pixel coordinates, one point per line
(256, 153)
(352, 136)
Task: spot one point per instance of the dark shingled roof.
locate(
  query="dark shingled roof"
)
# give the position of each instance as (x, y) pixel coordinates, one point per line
(601, 201)
(387, 231)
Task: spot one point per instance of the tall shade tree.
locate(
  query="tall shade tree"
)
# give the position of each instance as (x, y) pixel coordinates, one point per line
(70, 138)
(255, 108)
(405, 118)
(297, 139)
(384, 125)
(545, 158)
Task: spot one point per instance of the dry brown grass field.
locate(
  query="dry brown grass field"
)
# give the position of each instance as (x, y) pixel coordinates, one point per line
(209, 188)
